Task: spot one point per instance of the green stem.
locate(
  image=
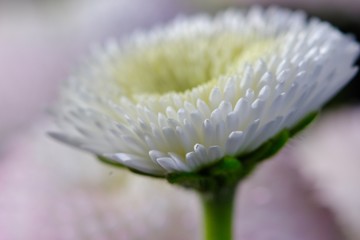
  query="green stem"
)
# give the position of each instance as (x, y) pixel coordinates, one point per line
(218, 214)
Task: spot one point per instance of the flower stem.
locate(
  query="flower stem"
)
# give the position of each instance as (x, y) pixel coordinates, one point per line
(218, 214)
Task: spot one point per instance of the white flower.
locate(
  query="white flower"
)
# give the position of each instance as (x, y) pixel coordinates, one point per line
(185, 95)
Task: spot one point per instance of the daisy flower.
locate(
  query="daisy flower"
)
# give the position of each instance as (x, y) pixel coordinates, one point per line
(202, 100)
(185, 95)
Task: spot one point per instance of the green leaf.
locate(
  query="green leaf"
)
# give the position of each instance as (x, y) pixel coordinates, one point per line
(302, 124)
(266, 150)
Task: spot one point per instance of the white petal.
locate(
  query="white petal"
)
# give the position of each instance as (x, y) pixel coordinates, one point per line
(234, 142)
(215, 153)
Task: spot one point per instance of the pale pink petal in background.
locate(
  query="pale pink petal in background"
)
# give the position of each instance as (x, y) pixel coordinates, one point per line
(329, 157)
(50, 191)
(40, 47)
(31, 66)
(275, 204)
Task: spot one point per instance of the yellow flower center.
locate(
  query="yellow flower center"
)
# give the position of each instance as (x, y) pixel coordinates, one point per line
(182, 63)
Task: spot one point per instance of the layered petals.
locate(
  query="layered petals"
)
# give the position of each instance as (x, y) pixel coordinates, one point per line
(184, 95)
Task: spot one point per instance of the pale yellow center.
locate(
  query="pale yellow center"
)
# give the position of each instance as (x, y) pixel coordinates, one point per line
(178, 65)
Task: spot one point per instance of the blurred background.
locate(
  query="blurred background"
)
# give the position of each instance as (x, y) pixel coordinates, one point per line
(50, 191)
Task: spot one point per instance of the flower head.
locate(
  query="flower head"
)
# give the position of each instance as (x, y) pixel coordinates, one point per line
(184, 96)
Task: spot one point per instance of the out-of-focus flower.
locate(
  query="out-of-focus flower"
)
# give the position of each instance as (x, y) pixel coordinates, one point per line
(329, 157)
(49, 191)
(185, 95)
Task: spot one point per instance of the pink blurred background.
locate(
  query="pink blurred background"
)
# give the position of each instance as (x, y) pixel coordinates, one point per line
(50, 191)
